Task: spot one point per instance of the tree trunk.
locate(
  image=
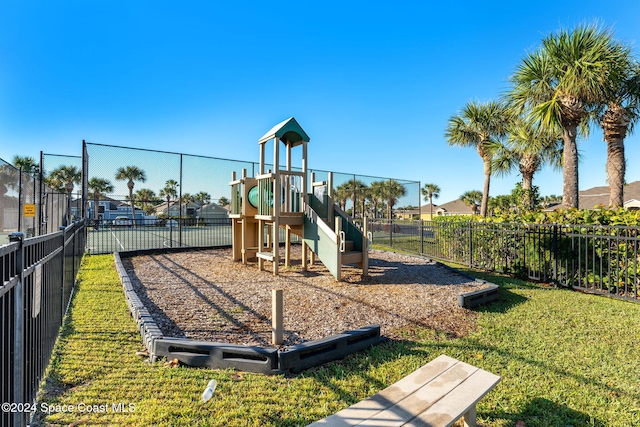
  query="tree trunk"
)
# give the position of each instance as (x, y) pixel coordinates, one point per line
(430, 207)
(353, 209)
(615, 123)
(133, 213)
(96, 197)
(616, 171)
(485, 192)
(570, 167)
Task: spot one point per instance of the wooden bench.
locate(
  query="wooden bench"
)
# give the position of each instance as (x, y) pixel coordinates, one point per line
(437, 394)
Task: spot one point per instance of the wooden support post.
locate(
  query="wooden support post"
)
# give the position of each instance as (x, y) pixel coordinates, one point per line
(277, 329)
(338, 229)
(304, 255)
(260, 243)
(277, 200)
(365, 246)
(243, 233)
(330, 213)
(287, 247)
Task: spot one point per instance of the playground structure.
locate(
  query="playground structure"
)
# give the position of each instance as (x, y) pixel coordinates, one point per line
(280, 199)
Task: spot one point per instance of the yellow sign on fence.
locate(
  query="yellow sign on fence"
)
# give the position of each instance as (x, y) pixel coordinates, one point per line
(29, 210)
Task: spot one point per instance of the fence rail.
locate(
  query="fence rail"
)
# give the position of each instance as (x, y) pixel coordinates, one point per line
(38, 276)
(596, 259)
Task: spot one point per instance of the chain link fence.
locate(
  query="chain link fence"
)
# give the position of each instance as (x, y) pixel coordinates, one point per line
(28, 204)
(182, 200)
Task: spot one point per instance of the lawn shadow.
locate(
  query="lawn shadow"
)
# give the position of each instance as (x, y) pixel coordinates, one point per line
(357, 365)
(543, 412)
(167, 325)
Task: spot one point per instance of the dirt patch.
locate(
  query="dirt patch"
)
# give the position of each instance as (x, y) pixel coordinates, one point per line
(205, 296)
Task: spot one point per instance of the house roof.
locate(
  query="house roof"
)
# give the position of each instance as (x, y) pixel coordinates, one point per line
(162, 206)
(427, 208)
(455, 207)
(213, 207)
(592, 197)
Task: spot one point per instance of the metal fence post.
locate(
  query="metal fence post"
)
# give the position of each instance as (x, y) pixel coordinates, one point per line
(180, 207)
(555, 254)
(470, 244)
(20, 196)
(18, 355)
(63, 269)
(421, 236)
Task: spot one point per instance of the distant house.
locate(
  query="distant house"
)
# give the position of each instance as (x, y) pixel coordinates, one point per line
(108, 209)
(212, 211)
(599, 196)
(596, 196)
(406, 213)
(455, 207)
(171, 209)
(425, 211)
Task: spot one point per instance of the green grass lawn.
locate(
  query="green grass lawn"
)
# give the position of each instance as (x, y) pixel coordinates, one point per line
(565, 358)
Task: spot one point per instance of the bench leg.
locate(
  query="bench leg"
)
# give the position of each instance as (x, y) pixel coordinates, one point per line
(470, 417)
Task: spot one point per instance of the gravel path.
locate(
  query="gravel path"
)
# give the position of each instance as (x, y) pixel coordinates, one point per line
(205, 296)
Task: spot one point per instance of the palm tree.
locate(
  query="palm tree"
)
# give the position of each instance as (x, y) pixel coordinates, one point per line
(147, 198)
(131, 174)
(621, 113)
(561, 83)
(202, 197)
(356, 190)
(528, 148)
(99, 187)
(363, 195)
(480, 126)
(28, 168)
(392, 191)
(472, 198)
(185, 199)
(170, 190)
(26, 164)
(65, 177)
(429, 191)
(222, 201)
(341, 194)
(376, 195)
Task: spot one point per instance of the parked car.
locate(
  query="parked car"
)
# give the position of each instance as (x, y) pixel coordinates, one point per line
(122, 221)
(171, 223)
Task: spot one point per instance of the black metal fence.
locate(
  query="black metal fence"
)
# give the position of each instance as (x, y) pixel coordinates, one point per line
(597, 259)
(38, 276)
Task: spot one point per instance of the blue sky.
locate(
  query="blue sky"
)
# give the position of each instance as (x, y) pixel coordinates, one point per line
(373, 83)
